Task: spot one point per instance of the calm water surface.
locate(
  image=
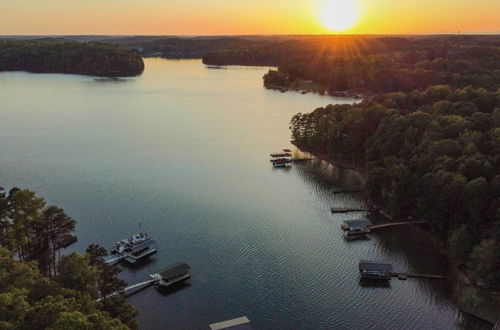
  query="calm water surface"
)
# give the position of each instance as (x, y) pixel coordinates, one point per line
(183, 149)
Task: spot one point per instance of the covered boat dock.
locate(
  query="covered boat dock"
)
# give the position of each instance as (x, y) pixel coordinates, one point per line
(177, 272)
(357, 223)
(375, 270)
(141, 250)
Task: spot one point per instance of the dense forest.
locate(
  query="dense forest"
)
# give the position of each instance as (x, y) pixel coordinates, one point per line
(39, 289)
(432, 154)
(185, 47)
(61, 56)
(374, 64)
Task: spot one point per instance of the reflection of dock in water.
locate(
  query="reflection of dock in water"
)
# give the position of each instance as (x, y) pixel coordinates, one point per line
(353, 209)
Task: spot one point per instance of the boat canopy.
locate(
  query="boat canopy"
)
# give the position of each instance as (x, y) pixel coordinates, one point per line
(174, 270)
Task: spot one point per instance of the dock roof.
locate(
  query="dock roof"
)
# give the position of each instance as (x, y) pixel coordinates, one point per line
(374, 266)
(174, 270)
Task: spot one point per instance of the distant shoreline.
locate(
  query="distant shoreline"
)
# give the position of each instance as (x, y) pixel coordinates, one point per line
(69, 57)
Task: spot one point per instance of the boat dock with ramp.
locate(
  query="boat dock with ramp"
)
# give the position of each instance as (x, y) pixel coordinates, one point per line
(168, 276)
(384, 271)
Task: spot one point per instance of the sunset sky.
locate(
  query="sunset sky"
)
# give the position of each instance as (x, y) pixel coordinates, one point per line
(194, 17)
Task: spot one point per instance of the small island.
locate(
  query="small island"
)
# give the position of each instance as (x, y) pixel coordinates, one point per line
(61, 56)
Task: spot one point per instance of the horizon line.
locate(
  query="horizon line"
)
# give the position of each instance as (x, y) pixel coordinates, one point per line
(255, 34)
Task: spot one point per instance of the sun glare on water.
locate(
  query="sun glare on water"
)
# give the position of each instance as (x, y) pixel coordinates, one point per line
(339, 15)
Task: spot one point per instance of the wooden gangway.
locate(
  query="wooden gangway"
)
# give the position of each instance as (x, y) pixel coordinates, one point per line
(417, 275)
(385, 225)
(130, 290)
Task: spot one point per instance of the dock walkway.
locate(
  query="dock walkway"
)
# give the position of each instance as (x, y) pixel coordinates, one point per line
(416, 275)
(130, 289)
(385, 225)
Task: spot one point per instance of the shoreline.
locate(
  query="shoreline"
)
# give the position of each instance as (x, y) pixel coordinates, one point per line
(325, 157)
(304, 89)
(459, 281)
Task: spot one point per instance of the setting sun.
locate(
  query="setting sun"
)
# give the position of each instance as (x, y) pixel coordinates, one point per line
(339, 15)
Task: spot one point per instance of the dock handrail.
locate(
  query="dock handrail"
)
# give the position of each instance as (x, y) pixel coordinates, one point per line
(132, 287)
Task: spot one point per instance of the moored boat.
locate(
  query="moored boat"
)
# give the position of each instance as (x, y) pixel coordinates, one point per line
(281, 159)
(133, 249)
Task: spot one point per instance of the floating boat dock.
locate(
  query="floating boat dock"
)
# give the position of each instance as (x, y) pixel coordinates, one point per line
(348, 224)
(241, 323)
(384, 271)
(281, 159)
(375, 270)
(175, 273)
(357, 232)
(133, 249)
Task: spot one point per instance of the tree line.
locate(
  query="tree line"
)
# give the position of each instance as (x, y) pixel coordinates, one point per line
(62, 56)
(373, 64)
(39, 289)
(432, 154)
(185, 48)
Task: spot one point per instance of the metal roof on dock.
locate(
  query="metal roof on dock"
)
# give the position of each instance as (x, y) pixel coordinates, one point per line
(174, 269)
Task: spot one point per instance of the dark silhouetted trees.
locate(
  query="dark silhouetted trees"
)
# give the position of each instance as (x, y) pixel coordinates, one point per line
(434, 154)
(38, 291)
(56, 56)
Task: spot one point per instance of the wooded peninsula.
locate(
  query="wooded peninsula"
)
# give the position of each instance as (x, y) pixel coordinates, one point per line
(40, 289)
(63, 56)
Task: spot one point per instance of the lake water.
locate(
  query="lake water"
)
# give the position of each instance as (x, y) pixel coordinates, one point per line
(183, 150)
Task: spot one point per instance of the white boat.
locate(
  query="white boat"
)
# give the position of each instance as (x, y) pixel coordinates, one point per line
(132, 249)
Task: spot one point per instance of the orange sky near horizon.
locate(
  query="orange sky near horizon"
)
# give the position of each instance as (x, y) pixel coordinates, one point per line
(223, 17)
